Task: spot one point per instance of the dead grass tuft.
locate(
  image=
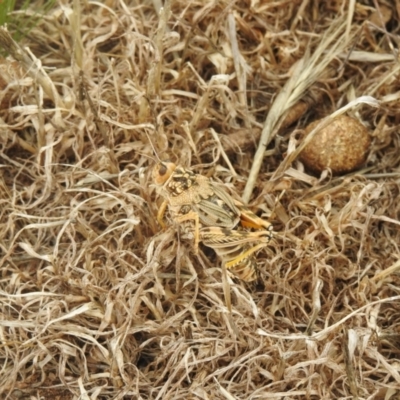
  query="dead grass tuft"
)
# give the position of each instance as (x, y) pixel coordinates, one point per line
(96, 301)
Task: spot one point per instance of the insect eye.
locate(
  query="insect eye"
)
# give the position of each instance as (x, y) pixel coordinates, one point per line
(162, 172)
(163, 169)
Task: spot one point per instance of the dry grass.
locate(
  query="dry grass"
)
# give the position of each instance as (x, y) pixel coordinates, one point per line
(96, 301)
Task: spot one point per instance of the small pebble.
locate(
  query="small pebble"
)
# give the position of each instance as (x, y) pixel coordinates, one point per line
(341, 146)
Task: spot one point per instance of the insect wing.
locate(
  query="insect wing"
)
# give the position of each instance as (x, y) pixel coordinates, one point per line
(218, 210)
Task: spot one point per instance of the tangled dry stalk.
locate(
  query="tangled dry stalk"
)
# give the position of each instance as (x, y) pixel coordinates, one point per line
(97, 302)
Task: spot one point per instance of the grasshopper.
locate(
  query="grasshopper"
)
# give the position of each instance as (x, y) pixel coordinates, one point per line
(218, 218)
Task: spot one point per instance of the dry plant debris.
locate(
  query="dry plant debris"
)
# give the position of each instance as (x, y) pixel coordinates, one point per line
(98, 302)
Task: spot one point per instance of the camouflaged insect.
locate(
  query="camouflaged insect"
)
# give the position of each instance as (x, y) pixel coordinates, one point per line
(218, 218)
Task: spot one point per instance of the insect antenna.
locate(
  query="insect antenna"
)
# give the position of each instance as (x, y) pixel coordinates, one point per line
(153, 148)
(155, 159)
(156, 129)
(163, 169)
